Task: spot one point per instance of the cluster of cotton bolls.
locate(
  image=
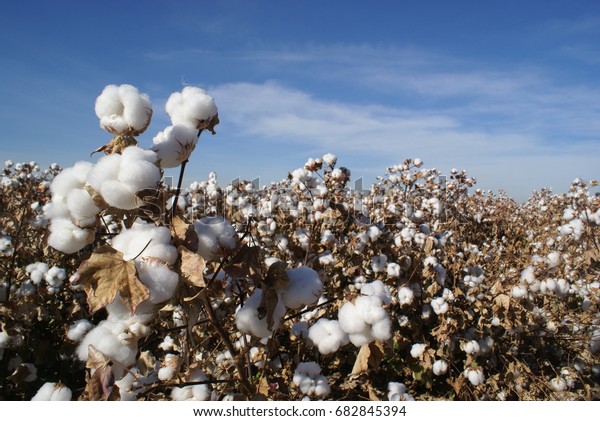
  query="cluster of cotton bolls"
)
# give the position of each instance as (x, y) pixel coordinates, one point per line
(304, 287)
(54, 276)
(310, 381)
(116, 337)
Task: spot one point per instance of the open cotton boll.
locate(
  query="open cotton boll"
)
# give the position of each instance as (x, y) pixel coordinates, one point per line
(475, 375)
(304, 288)
(160, 280)
(416, 351)
(71, 178)
(123, 109)
(439, 305)
(79, 329)
(329, 159)
(328, 336)
(105, 338)
(405, 296)
(81, 207)
(397, 392)
(174, 145)
(365, 320)
(118, 177)
(67, 237)
(377, 289)
(146, 240)
(247, 320)
(308, 378)
(199, 392)
(215, 235)
(53, 392)
(192, 107)
(4, 342)
(440, 367)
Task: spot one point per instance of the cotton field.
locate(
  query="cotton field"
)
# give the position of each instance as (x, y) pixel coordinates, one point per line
(117, 286)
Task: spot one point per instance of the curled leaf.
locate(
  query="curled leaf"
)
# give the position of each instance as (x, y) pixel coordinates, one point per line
(106, 274)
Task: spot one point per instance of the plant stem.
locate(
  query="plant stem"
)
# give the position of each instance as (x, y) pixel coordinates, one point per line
(246, 385)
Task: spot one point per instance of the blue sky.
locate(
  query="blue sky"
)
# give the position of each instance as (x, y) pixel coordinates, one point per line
(508, 90)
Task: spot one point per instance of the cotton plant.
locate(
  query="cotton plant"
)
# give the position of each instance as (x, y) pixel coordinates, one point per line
(53, 392)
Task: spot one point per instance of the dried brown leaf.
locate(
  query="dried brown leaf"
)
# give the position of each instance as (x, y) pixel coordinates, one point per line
(106, 274)
(184, 234)
(191, 267)
(369, 356)
(268, 304)
(277, 276)
(245, 263)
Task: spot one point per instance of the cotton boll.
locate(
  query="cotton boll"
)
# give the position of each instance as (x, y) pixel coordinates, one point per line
(105, 338)
(475, 376)
(439, 305)
(595, 342)
(192, 107)
(81, 207)
(393, 270)
(328, 336)
(53, 392)
(518, 291)
(174, 145)
(472, 347)
(118, 195)
(440, 367)
(65, 236)
(215, 236)
(304, 288)
(378, 263)
(199, 392)
(397, 392)
(308, 378)
(247, 320)
(160, 280)
(78, 330)
(416, 351)
(378, 289)
(405, 296)
(122, 109)
(329, 159)
(107, 168)
(364, 320)
(146, 240)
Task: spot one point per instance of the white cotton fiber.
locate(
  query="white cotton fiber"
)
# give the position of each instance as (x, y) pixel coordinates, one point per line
(116, 194)
(160, 280)
(146, 240)
(215, 235)
(440, 367)
(308, 378)
(200, 392)
(118, 177)
(174, 145)
(397, 392)
(122, 109)
(304, 288)
(191, 107)
(53, 392)
(65, 236)
(405, 296)
(247, 319)
(82, 208)
(79, 329)
(377, 289)
(105, 338)
(328, 336)
(365, 320)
